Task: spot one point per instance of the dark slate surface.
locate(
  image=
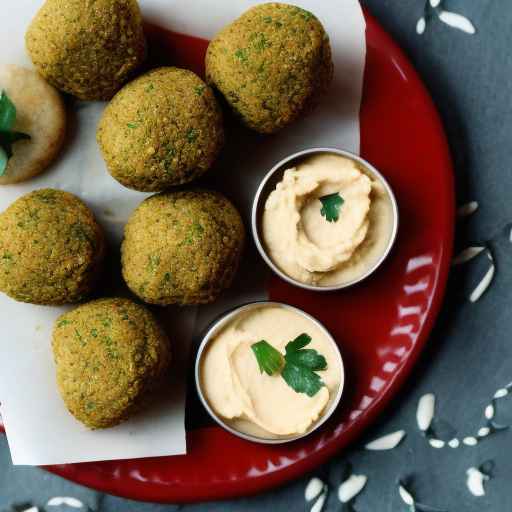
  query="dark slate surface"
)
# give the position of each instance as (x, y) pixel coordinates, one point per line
(470, 353)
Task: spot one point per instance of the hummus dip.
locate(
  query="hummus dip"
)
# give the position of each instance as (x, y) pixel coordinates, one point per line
(253, 402)
(309, 248)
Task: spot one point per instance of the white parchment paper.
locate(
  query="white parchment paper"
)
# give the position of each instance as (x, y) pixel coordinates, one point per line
(40, 430)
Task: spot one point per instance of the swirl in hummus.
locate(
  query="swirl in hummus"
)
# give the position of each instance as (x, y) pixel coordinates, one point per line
(251, 401)
(304, 244)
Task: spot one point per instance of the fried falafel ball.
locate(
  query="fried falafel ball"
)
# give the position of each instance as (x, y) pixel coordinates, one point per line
(162, 129)
(111, 355)
(51, 248)
(182, 247)
(87, 49)
(271, 65)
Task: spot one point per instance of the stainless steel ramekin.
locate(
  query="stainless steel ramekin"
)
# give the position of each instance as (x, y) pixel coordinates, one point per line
(269, 183)
(213, 329)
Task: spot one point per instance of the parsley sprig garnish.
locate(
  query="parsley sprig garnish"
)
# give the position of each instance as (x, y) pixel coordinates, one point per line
(297, 367)
(331, 205)
(7, 136)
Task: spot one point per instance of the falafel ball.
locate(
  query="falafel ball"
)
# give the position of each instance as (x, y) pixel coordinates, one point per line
(182, 247)
(162, 129)
(51, 248)
(110, 354)
(87, 49)
(272, 64)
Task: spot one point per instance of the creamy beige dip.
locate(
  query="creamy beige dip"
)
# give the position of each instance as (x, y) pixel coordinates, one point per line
(308, 248)
(256, 403)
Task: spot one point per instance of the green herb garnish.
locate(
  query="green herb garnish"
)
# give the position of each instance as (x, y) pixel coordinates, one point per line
(269, 359)
(241, 55)
(331, 205)
(199, 89)
(297, 366)
(7, 136)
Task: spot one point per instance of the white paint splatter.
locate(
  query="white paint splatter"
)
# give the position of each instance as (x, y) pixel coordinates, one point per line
(454, 443)
(425, 411)
(436, 443)
(489, 412)
(69, 502)
(467, 209)
(457, 21)
(483, 284)
(467, 254)
(405, 495)
(319, 503)
(387, 442)
(351, 487)
(470, 441)
(501, 393)
(313, 489)
(484, 432)
(421, 25)
(475, 481)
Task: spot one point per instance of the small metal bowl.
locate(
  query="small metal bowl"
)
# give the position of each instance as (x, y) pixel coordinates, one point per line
(216, 326)
(269, 183)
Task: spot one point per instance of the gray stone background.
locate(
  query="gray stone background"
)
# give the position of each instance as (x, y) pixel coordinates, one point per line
(470, 352)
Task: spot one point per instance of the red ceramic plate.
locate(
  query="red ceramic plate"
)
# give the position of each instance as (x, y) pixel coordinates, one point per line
(382, 325)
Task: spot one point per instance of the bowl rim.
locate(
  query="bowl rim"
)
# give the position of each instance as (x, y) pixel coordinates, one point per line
(258, 198)
(219, 323)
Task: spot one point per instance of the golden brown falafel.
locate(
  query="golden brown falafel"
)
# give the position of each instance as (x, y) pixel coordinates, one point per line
(51, 248)
(272, 64)
(162, 129)
(87, 48)
(110, 355)
(182, 247)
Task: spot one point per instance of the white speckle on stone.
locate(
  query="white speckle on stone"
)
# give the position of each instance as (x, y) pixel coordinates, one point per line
(434, 3)
(68, 502)
(483, 284)
(425, 411)
(421, 25)
(454, 443)
(405, 495)
(470, 441)
(319, 503)
(31, 509)
(501, 393)
(467, 254)
(387, 442)
(457, 21)
(351, 487)
(484, 432)
(475, 481)
(489, 412)
(436, 443)
(467, 209)
(313, 489)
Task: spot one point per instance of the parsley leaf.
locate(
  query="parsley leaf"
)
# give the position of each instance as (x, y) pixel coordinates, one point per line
(331, 205)
(7, 112)
(298, 366)
(301, 365)
(269, 359)
(7, 136)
